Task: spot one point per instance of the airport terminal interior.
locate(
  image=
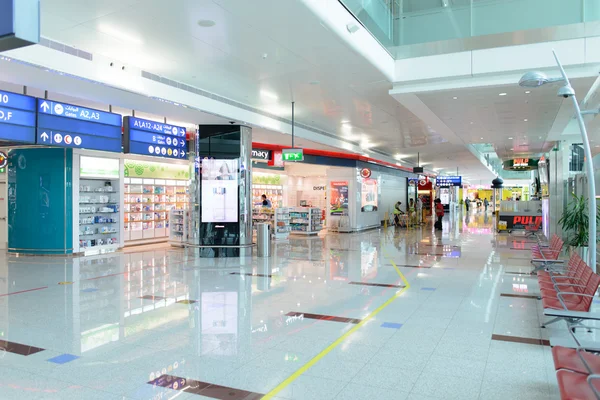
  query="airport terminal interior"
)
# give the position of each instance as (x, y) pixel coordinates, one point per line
(299, 199)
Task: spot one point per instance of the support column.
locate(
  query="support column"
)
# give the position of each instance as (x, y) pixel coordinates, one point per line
(220, 191)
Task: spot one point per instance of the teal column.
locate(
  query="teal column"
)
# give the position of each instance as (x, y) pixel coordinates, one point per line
(40, 201)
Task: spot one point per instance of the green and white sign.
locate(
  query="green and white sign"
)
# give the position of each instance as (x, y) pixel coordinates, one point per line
(97, 167)
(292, 154)
(145, 169)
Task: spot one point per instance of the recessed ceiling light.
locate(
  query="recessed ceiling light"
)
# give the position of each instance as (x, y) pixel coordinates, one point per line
(119, 35)
(471, 122)
(502, 94)
(365, 155)
(455, 98)
(206, 23)
(527, 91)
(344, 121)
(512, 148)
(265, 93)
(398, 164)
(481, 138)
(525, 120)
(510, 138)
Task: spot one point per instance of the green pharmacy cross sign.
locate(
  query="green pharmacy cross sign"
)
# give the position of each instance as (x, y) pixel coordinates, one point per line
(292, 155)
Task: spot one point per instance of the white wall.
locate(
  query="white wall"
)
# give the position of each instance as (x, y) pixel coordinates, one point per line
(391, 188)
(308, 188)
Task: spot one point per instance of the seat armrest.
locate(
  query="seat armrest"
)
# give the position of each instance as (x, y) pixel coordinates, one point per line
(562, 300)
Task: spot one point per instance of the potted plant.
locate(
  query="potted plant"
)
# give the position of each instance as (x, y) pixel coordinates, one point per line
(575, 222)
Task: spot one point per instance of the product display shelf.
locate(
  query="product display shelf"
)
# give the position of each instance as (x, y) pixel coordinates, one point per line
(273, 193)
(305, 221)
(262, 215)
(178, 224)
(98, 215)
(281, 228)
(147, 206)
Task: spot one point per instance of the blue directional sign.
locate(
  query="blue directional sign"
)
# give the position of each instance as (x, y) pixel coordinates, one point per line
(17, 117)
(445, 181)
(67, 125)
(152, 138)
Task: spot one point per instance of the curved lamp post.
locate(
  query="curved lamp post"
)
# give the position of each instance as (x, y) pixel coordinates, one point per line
(535, 79)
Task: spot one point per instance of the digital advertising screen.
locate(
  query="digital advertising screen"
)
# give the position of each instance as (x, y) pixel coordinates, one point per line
(369, 195)
(339, 197)
(219, 190)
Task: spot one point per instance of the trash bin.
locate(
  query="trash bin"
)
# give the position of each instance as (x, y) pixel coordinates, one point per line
(263, 240)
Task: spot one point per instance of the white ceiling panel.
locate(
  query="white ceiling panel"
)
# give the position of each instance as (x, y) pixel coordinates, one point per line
(268, 53)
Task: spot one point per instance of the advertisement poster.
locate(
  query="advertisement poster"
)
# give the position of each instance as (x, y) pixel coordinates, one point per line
(369, 195)
(219, 190)
(339, 197)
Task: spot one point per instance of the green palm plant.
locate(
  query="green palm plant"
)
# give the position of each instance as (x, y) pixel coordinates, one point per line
(575, 221)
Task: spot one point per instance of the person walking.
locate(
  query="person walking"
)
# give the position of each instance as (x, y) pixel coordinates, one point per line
(486, 203)
(411, 212)
(467, 204)
(439, 213)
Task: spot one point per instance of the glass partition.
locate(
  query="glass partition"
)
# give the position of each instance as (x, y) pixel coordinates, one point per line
(439, 26)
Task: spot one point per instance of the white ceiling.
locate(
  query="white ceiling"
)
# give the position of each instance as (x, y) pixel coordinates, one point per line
(267, 53)
(305, 62)
(516, 123)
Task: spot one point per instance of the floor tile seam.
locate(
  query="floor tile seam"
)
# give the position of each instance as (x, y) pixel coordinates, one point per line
(338, 341)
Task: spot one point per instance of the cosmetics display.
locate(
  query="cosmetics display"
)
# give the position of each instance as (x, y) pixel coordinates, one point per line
(178, 227)
(147, 206)
(98, 213)
(305, 221)
(279, 219)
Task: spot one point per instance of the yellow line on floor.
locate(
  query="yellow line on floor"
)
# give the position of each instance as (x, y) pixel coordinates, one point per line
(339, 341)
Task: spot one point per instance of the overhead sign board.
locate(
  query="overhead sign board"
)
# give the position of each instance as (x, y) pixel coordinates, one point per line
(521, 164)
(17, 117)
(445, 181)
(151, 138)
(68, 125)
(292, 154)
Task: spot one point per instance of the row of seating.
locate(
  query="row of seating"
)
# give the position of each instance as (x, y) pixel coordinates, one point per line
(567, 293)
(577, 372)
(570, 289)
(545, 256)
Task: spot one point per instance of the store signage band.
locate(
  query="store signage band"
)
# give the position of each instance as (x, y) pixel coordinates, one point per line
(153, 138)
(68, 125)
(521, 162)
(259, 154)
(17, 117)
(292, 154)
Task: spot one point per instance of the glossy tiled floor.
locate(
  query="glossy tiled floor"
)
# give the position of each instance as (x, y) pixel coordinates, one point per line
(334, 317)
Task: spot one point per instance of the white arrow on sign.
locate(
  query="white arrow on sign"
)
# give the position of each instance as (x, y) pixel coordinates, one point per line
(44, 106)
(44, 136)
